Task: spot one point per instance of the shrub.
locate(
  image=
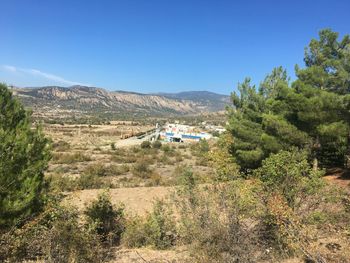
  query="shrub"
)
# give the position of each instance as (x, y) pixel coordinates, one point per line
(292, 193)
(166, 160)
(113, 146)
(146, 145)
(215, 220)
(200, 148)
(289, 173)
(166, 148)
(136, 232)
(92, 181)
(154, 180)
(96, 169)
(182, 146)
(101, 170)
(70, 158)
(156, 145)
(60, 183)
(70, 242)
(108, 221)
(157, 229)
(225, 168)
(141, 169)
(62, 239)
(61, 146)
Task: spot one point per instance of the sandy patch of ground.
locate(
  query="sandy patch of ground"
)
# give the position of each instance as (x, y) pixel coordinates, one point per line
(137, 200)
(338, 176)
(143, 255)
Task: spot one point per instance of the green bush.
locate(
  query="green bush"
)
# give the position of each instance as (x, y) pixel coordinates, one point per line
(108, 221)
(289, 173)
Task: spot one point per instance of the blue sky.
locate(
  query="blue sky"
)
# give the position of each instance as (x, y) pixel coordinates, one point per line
(158, 45)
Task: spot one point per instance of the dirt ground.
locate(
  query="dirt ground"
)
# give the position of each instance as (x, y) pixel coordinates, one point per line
(92, 136)
(95, 141)
(339, 177)
(137, 200)
(143, 255)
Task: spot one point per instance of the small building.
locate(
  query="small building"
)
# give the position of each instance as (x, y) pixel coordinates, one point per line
(174, 132)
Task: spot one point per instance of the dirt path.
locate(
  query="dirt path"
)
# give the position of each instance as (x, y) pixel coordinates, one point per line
(137, 200)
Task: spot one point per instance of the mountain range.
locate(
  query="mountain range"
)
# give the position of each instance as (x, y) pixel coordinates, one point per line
(82, 99)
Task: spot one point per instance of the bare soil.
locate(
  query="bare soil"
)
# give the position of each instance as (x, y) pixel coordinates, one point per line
(137, 200)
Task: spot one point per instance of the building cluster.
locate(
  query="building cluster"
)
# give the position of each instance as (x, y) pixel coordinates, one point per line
(174, 132)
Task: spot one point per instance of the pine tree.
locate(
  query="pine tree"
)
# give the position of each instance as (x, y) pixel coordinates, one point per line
(312, 113)
(245, 124)
(24, 155)
(258, 122)
(327, 63)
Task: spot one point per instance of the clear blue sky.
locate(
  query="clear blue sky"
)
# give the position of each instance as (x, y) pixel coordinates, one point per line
(150, 46)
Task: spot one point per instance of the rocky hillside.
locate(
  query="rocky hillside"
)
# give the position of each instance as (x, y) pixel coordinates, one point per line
(210, 101)
(97, 100)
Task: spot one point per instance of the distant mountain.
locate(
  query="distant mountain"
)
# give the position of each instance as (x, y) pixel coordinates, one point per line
(210, 100)
(82, 100)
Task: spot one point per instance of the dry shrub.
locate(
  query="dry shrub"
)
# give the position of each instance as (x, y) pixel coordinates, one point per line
(145, 145)
(92, 181)
(60, 183)
(142, 169)
(61, 146)
(101, 170)
(108, 220)
(218, 222)
(64, 158)
(154, 180)
(157, 229)
(53, 236)
(156, 145)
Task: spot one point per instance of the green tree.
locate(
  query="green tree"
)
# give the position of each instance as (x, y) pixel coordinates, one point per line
(327, 63)
(245, 124)
(311, 113)
(259, 123)
(24, 154)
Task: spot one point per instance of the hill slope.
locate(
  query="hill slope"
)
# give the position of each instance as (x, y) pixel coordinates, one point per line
(81, 99)
(209, 100)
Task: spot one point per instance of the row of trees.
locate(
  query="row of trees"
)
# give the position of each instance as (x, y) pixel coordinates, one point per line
(311, 113)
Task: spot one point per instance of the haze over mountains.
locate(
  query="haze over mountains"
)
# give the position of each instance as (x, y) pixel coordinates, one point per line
(91, 99)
